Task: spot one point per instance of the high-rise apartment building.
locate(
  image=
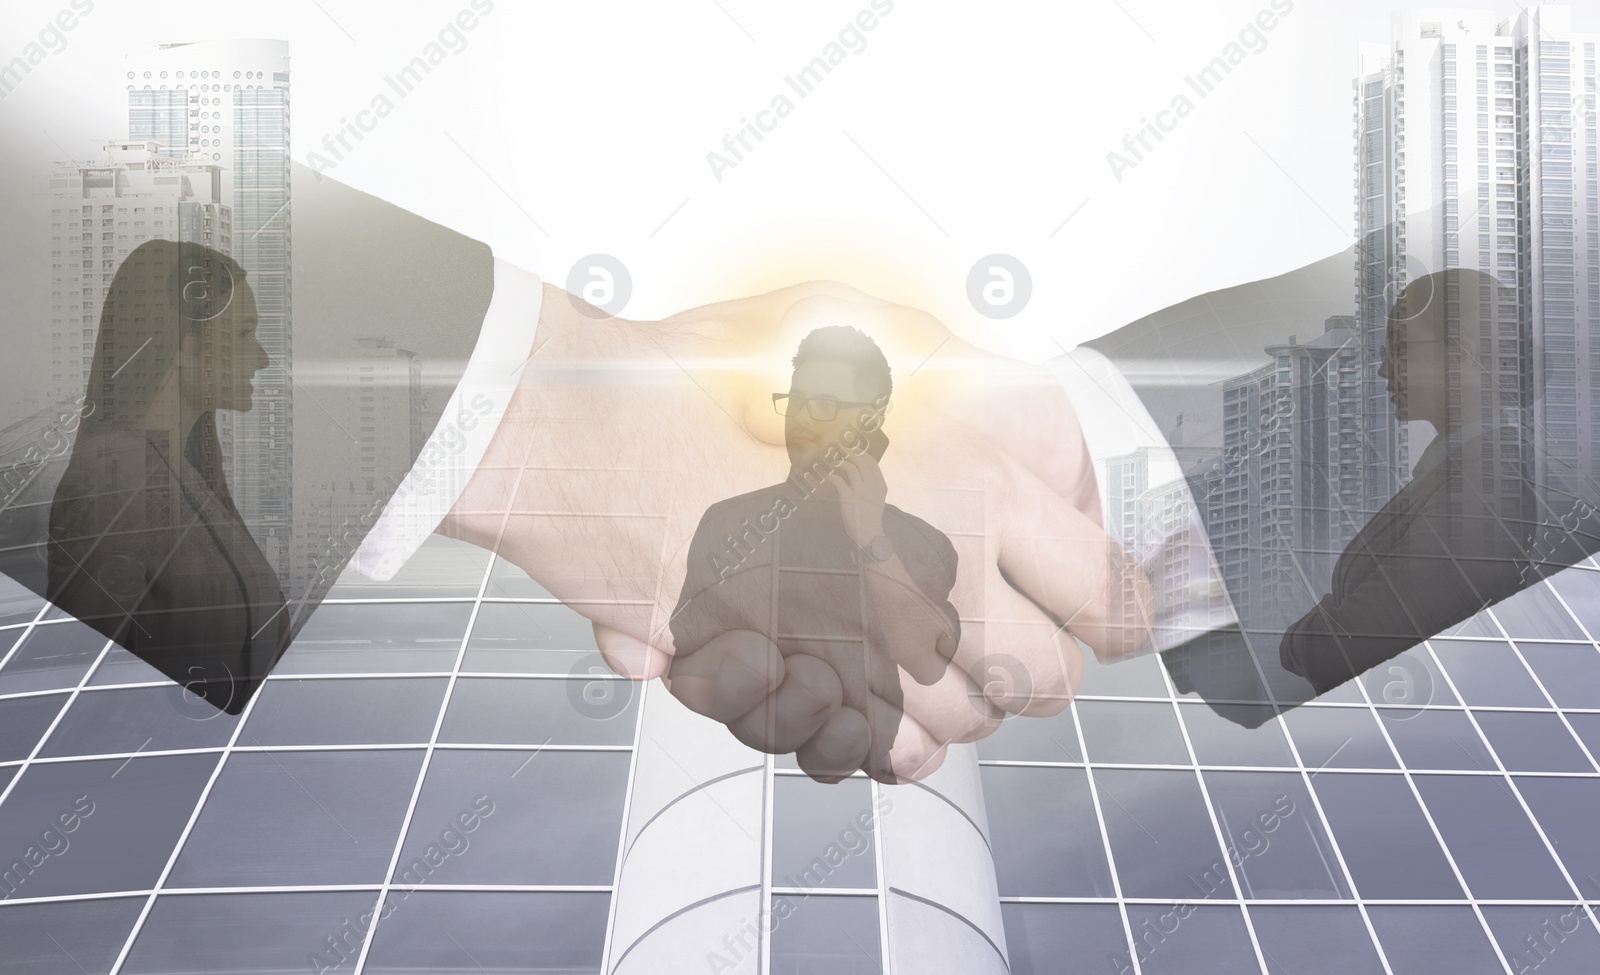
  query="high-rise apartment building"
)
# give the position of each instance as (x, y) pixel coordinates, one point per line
(379, 384)
(1150, 510)
(441, 775)
(227, 103)
(99, 212)
(1476, 149)
(385, 381)
(1123, 479)
(1290, 492)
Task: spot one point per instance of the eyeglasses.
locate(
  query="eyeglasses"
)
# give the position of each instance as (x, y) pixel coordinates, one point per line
(821, 409)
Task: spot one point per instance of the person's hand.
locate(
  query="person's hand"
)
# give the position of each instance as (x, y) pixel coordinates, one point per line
(861, 488)
(623, 433)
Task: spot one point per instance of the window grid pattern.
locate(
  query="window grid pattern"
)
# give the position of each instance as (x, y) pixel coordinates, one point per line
(1569, 604)
(337, 946)
(1098, 746)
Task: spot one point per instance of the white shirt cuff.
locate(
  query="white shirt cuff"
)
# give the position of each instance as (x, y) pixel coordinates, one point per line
(470, 419)
(1159, 524)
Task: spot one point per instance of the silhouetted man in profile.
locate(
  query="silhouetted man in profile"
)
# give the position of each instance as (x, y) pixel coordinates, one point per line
(850, 589)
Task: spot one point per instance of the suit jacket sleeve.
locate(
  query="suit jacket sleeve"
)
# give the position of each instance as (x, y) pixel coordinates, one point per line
(387, 307)
(1442, 562)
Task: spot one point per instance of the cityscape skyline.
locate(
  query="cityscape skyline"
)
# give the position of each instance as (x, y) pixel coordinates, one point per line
(1509, 190)
(229, 101)
(442, 774)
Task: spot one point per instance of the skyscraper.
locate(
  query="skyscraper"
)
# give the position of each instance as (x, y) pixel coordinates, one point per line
(99, 212)
(1290, 492)
(442, 775)
(1150, 510)
(383, 381)
(1498, 121)
(1125, 478)
(227, 102)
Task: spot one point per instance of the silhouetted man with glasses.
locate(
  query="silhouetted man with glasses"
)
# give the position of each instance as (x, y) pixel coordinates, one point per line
(818, 577)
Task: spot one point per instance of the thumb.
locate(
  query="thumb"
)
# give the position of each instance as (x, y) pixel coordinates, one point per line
(630, 657)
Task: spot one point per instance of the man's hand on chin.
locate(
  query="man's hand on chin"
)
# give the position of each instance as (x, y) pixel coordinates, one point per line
(623, 433)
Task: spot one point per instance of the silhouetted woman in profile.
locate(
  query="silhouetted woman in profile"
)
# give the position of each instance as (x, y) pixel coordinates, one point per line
(146, 544)
(1458, 537)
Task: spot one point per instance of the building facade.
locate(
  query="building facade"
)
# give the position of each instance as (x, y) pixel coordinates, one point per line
(441, 775)
(1497, 119)
(100, 212)
(227, 103)
(1289, 492)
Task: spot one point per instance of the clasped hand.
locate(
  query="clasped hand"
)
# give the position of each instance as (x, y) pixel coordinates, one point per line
(623, 433)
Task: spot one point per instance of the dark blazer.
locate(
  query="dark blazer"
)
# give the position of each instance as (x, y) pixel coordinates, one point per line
(1435, 552)
(147, 551)
(1438, 552)
(780, 563)
(1175, 360)
(367, 269)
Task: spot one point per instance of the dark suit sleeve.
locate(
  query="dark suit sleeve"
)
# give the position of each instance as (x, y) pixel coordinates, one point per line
(1441, 567)
(379, 294)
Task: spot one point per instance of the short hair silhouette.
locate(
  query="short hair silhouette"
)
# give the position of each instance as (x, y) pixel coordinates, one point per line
(843, 343)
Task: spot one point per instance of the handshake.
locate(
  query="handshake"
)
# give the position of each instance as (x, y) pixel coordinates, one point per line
(726, 523)
(712, 490)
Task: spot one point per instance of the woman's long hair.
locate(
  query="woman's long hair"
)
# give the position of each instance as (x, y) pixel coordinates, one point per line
(138, 550)
(162, 299)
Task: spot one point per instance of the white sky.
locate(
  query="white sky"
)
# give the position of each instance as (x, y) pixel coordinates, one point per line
(960, 130)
